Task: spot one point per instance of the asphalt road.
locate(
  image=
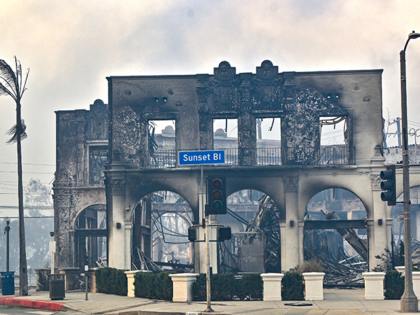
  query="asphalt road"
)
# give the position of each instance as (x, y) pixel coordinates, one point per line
(29, 311)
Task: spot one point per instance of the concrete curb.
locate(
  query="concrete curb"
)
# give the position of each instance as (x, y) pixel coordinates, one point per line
(42, 305)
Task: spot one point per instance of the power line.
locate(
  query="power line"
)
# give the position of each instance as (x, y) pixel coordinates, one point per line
(15, 172)
(46, 217)
(28, 164)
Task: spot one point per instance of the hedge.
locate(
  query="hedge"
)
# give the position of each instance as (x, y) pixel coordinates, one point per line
(250, 286)
(153, 286)
(111, 281)
(292, 287)
(224, 287)
(394, 285)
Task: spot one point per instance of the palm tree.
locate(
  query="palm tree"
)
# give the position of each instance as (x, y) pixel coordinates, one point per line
(11, 84)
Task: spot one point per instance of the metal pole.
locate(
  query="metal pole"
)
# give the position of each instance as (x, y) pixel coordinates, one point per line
(6, 231)
(408, 300)
(208, 283)
(86, 281)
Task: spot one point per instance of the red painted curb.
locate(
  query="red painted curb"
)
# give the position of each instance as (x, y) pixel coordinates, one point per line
(42, 305)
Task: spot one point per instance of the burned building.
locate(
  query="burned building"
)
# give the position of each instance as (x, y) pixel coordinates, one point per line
(79, 194)
(290, 170)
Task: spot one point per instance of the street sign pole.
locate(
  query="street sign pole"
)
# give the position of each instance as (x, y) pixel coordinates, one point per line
(200, 158)
(207, 235)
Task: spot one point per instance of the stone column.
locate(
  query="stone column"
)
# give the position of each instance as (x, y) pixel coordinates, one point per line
(117, 246)
(272, 286)
(182, 286)
(127, 240)
(291, 243)
(374, 285)
(380, 238)
(301, 224)
(283, 241)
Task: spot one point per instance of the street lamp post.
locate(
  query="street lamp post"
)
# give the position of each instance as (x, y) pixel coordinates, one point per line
(409, 301)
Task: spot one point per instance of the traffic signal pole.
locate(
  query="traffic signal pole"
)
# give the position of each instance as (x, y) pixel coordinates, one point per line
(207, 236)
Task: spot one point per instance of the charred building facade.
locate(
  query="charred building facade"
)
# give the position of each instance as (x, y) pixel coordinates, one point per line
(290, 171)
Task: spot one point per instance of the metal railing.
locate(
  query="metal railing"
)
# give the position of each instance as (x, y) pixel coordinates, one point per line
(329, 155)
(333, 155)
(269, 156)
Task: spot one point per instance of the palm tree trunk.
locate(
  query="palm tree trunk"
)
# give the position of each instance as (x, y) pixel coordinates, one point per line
(23, 272)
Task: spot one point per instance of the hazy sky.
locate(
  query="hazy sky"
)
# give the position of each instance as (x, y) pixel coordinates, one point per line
(72, 46)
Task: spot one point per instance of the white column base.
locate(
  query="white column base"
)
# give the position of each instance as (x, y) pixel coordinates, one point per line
(272, 286)
(314, 285)
(374, 285)
(400, 269)
(130, 281)
(416, 283)
(182, 286)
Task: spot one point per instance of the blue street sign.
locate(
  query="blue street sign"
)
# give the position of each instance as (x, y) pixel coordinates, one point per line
(201, 157)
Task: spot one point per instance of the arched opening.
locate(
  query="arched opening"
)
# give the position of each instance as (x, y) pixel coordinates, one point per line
(335, 234)
(91, 237)
(255, 245)
(160, 233)
(397, 214)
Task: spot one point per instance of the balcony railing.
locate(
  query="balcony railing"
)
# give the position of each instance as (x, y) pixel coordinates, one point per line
(330, 155)
(334, 155)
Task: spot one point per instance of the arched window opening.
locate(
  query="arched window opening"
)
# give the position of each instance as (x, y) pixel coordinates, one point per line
(255, 245)
(335, 234)
(160, 233)
(90, 237)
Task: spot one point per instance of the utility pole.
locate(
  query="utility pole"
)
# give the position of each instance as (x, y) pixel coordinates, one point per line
(409, 301)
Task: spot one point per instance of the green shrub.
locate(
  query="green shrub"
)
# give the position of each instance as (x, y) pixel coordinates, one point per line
(144, 285)
(111, 281)
(198, 287)
(153, 286)
(394, 285)
(250, 286)
(292, 287)
(223, 287)
(164, 286)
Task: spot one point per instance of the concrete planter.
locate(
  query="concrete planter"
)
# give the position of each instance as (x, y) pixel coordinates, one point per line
(374, 285)
(400, 269)
(314, 285)
(71, 275)
(130, 281)
(182, 286)
(272, 286)
(42, 282)
(92, 280)
(416, 283)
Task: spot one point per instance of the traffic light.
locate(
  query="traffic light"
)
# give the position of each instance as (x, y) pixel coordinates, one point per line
(216, 195)
(388, 185)
(192, 234)
(224, 234)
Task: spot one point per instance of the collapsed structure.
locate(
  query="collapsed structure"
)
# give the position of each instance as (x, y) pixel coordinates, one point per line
(119, 139)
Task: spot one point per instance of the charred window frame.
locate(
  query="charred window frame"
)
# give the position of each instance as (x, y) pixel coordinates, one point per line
(90, 236)
(162, 146)
(97, 160)
(268, 148)
(335, 153)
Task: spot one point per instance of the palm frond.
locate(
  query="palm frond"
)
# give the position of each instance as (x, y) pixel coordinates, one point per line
(7, 73)
(6, 91)
(15, 131)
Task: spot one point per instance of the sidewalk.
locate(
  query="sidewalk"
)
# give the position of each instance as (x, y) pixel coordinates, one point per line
(336, 302)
